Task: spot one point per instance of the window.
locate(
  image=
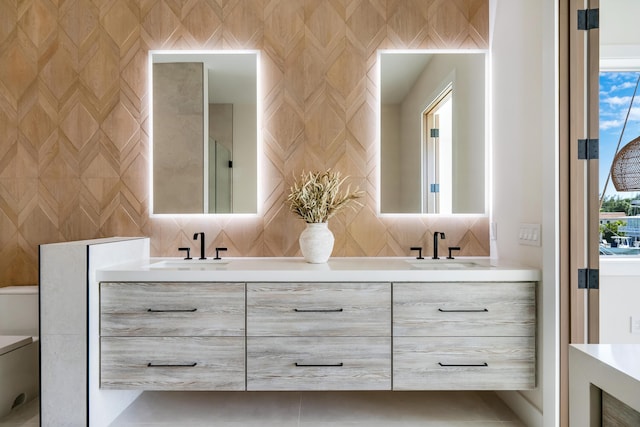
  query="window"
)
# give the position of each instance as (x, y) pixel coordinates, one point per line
(619, 124)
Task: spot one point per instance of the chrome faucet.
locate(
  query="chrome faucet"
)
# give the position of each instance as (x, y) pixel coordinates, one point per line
(435, 244)
(202, 245)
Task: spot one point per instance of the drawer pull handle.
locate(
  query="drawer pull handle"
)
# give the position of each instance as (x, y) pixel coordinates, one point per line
(318, 310)
(169, 365)
(463, 364)
(187, 310)
(319, 364)
(480, 310)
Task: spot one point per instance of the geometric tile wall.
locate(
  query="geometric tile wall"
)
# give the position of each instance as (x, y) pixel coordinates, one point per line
(74, 118)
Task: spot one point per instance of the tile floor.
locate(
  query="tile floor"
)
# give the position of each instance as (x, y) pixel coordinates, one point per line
(318, 409)
(309, 409)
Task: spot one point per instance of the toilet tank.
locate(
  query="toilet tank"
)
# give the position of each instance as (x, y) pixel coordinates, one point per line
(19, 310)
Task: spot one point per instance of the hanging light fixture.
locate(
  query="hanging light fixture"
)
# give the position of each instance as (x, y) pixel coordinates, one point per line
(625, 169)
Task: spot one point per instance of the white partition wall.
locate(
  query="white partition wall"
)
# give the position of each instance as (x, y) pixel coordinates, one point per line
(69, 383)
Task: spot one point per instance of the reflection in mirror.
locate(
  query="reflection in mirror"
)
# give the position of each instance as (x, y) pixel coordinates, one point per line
(204, 132)
(433, 132)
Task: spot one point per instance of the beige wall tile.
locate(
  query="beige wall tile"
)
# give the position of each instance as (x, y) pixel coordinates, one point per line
(74, 117)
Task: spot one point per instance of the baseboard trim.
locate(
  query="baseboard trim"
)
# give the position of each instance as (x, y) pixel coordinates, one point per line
(525, 410)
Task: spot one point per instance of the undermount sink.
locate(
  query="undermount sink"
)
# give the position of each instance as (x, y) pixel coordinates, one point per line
(436, 264)
(190, 264)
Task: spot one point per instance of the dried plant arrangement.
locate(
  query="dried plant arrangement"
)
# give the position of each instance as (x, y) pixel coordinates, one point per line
(316, 196)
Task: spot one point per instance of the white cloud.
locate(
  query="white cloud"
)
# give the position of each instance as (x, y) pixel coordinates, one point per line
(611, 119)
(622, 86)
(615, 101)
(608, 124)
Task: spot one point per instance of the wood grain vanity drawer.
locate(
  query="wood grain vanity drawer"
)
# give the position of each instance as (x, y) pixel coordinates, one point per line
(443, 363)
(172, 309)
(318, 309)
(172, 363)
(464, 309)
(319, 363)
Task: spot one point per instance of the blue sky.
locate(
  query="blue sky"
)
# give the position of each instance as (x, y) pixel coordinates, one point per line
(616, 92)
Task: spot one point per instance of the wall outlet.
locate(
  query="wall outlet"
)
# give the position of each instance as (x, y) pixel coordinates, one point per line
(635, 324)
(529, 234)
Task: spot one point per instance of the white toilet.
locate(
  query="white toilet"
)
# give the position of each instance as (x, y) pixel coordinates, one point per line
(19, 346)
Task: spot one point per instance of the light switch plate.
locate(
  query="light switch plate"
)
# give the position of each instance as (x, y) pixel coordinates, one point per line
(529, 234)
(635, 324)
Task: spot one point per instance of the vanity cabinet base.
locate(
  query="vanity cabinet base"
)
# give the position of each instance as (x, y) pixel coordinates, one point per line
(463, 363)
(318, 336)
(172, 363)
(318, 363)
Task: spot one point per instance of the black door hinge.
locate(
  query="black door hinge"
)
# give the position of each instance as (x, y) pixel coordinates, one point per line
(435, 133)
(588, 19)
(588, 278)
(588, 149)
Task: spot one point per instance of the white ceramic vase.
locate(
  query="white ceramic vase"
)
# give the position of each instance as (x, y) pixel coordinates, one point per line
(316, 243)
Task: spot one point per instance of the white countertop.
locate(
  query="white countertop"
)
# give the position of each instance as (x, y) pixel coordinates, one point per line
(368, 269)
(621, 357)
(613, 368)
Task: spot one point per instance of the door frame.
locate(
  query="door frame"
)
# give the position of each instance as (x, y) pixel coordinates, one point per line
(579, 185)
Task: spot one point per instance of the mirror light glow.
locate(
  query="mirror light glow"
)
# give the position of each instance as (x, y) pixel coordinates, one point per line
(188, 56)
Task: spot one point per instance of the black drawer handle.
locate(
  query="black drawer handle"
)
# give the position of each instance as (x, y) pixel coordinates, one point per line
(463, 364)
(318, 310)
(480, 310)
(187, 310)
(335, 365)
(170, 365)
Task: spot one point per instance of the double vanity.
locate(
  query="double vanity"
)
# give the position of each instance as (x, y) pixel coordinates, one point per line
(350, 324)
(267, 324)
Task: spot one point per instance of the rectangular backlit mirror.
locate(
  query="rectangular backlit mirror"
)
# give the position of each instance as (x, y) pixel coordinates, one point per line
(204, 135)
(433, 127)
